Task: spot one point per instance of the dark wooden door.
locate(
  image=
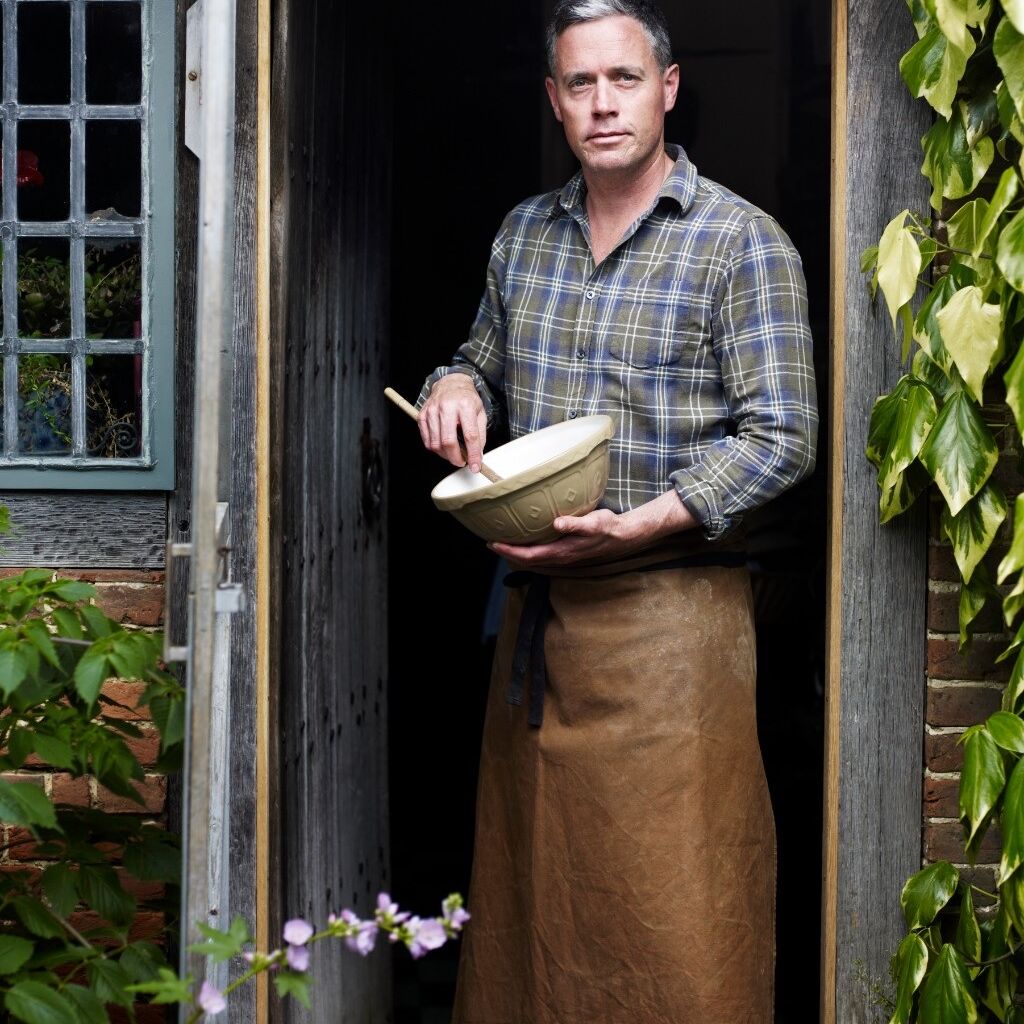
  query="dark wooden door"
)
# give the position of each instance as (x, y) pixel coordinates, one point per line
(331, 226)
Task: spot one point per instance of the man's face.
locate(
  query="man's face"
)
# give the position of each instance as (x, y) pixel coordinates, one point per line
(610, 95)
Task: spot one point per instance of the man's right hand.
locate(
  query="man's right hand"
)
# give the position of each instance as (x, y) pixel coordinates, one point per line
(454, 403)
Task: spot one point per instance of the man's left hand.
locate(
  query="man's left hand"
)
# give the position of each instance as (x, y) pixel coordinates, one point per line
(602, 536)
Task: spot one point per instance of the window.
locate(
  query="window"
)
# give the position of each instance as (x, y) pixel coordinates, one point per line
(86, 241)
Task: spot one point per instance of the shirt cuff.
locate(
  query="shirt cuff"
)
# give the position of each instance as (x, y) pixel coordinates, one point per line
(478, 382)
(702, 503)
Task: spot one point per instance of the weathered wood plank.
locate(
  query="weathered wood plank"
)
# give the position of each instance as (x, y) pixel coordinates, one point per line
(333, 614)
(876, 686)
(85, 530)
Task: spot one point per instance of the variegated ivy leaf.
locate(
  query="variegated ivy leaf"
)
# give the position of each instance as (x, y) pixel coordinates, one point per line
(1015, 12)
(952, 18)
(909, 967)
(981, 784)
(948, 997)
(933, 67)
(970, 329)
(899, 263)
(921, 16)
(964, 226)
(1014, 381)
(978, 12)
(923, 367)
(973, 596)
(1013, 560)
(1008, 118)
(1013, 602)
(1005, 193)
(1010, 252)
(960, 452)
(1008, 48)
(950, 164)
(1015, 687)
(900, 422)
(901, 490)
(1012, 823)
(926, 327)
(972, 531)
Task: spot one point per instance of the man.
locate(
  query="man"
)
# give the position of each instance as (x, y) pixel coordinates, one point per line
(624, 861)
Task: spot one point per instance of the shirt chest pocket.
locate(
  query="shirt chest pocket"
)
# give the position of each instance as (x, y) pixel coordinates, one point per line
(650, 334)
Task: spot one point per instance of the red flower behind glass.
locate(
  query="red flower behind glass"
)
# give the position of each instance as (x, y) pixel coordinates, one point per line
(28, 169)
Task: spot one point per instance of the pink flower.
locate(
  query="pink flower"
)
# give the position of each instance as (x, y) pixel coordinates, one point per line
(425, 936)
(298, 958)
(297, 932)
(211, 1000)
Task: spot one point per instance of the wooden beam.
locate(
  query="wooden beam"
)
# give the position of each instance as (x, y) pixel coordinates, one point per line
(878, 574)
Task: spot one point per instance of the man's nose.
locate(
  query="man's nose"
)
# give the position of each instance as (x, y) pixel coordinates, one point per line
(604, 99)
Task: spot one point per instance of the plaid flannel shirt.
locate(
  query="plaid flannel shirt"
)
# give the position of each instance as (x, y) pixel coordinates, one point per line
(692, 335)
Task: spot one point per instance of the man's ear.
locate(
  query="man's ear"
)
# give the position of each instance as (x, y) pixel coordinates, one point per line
(670, 83)
(549, 84)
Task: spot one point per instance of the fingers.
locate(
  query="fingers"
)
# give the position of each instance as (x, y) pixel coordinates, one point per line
(474, 433)
(453, 405)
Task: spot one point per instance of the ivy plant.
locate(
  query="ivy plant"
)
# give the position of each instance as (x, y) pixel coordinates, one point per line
(953, 283)
(67, 953)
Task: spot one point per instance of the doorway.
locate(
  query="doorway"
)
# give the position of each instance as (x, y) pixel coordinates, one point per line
(473, 136)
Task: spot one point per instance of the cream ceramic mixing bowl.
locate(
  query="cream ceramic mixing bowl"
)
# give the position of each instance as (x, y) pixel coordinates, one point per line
(561, 470)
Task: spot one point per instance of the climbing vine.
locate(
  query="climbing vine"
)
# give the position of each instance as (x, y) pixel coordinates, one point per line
(953, 283)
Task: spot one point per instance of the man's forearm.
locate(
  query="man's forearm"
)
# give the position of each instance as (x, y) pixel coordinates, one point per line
(662, 517)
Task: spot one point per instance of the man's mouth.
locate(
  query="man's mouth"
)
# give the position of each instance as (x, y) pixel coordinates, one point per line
(608, 135)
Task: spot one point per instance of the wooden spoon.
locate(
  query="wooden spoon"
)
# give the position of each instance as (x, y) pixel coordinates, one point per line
(412, 411)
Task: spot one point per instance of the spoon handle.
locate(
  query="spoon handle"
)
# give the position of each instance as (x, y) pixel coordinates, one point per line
(410, 410)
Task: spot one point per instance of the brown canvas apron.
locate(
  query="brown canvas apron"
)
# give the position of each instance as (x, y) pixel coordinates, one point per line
(624, 866)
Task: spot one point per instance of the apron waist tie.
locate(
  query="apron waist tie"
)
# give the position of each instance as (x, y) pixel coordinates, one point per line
(529, 649)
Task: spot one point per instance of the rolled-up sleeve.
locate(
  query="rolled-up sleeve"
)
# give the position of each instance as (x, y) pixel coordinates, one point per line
(763, 344)
(482, 356)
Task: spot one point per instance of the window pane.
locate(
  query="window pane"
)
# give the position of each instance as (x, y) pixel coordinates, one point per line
(44, 53)
(44, 170)
(113, 46)
(113, 398)
(44, 288)
(113, 288)
(113, 167)
(44, 404)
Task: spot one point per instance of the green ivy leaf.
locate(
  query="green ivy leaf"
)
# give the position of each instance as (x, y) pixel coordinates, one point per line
(67, 623)
(221, 946)
(968, 932)
(291, 983)
(1013, 560)
(927, 892)
(952, 166)
(909, 967)
(14, 953)
(39, 636)
(167, 987)
(109, 981)
(99, 887)
(1008, 47)
(90, 674)
(143, 961)
(1011, 820)
(960, 452)
(59, 885)
(970, 329)
(13, 669)
(933, 67)
(72, 590)
(53, 750)
(1007, 730)
(36, 918)
(23, 803)
(964, 227)
(981, 784)
(36, 1003)
(998, 986)
(1005, 193)
(948, 996)
(1010, 253)
(1015, 12)
(1015, 687)
(972, 531)
(90, 1009)
(899, 263)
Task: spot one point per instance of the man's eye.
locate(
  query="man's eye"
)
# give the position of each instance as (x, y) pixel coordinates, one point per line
(627, 78)
(577, 83)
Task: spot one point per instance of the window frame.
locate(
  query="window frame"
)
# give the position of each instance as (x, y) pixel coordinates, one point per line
(153, 468)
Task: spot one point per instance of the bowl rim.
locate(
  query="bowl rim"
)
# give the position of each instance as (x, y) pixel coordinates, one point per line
(528, 477)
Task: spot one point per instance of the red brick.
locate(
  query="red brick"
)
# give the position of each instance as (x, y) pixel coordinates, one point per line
(146, 748)
(944, 614)
(143, 1015)
(153, 790)
(942, 565)
(983, 876)
(35, 778)
(942, 752)
(21, 845)
(30, 875)
(978, 661)
(113, 575)
(66, 789)
(142, 891)
(945, 841)
(961, 705)
(147, 925)
(126, 694)
(941, 797)
(140, 604)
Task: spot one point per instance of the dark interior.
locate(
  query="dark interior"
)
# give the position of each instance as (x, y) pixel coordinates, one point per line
(473, 136)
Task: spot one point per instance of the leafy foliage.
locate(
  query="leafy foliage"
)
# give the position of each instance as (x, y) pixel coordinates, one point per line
(66, 953)
(940, 424)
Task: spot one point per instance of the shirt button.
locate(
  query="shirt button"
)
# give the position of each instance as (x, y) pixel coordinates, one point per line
(572, 414)
(581, 353)
(590, 293)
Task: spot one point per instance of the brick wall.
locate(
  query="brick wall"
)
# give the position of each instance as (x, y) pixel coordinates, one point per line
(963, 688)
(134, 598)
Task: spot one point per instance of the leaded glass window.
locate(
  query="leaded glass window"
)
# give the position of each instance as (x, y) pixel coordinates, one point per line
(86, 242)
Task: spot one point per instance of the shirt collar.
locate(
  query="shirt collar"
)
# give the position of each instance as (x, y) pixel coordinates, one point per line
(680, 186)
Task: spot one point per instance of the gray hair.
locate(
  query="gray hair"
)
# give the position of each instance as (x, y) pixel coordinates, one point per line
(574, 12)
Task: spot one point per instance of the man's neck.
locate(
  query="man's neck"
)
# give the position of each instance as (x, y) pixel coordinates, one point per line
(618, 199)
